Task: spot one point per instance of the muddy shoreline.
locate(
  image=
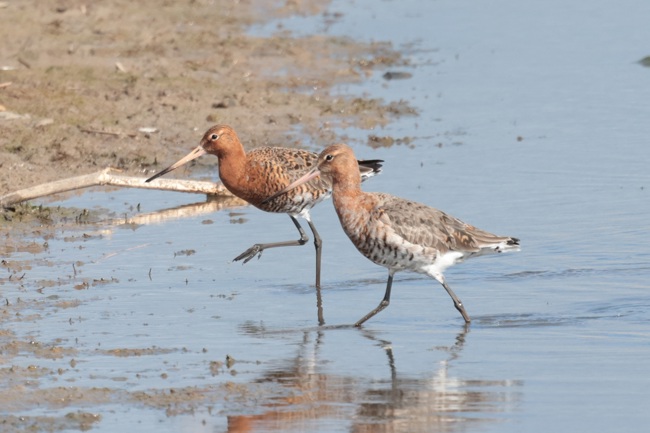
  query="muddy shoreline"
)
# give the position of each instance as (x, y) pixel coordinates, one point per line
(132, 87)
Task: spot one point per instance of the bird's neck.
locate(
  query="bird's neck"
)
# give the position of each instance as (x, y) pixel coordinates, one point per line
(346, 189)
(232, 168)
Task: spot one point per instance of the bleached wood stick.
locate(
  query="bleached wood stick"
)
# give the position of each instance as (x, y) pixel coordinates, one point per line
(108, 177)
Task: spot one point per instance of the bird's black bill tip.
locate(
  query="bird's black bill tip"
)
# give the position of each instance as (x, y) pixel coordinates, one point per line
(157, 175)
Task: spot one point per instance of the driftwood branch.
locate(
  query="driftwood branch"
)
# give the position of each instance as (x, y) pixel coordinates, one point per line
(108, 176)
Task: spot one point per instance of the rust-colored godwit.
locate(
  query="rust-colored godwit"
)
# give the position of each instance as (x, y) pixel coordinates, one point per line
(396, 233)
(256, 175)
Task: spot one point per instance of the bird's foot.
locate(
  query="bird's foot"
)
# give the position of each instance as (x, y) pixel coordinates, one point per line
(255, 250)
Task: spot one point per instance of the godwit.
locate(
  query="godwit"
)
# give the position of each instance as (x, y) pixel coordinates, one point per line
(396, 233)
(255, 175)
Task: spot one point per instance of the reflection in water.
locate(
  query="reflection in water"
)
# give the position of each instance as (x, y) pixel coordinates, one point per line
(212, 204)
(316, 397)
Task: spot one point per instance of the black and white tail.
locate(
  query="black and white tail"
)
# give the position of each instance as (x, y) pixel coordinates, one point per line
(369, 168)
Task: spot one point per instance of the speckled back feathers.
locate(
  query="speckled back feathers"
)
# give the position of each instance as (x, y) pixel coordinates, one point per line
(269, 169)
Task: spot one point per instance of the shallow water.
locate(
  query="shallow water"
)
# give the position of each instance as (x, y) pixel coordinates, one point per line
(533, 123)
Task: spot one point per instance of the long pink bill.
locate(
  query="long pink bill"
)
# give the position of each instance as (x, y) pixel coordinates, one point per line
(187, 158)
(311, 174)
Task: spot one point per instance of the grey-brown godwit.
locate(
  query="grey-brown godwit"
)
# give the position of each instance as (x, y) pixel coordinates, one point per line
(256, 175)
(396, 233)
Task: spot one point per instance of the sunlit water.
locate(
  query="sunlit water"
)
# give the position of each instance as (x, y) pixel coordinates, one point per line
(533, 123)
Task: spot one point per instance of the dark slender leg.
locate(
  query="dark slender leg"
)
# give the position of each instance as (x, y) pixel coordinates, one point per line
(319, 307)
(258, 248)
(457, 303)
(318, 243)
(383, 304)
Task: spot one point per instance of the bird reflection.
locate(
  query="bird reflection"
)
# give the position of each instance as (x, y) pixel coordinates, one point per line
(398, 402)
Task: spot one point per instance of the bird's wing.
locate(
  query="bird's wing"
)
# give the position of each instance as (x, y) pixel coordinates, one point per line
(426, 226)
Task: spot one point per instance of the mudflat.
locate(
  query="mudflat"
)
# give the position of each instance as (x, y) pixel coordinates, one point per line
(85, 85)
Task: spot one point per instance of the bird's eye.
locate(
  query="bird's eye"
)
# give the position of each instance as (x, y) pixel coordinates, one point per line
(329, 157)
(214, 137)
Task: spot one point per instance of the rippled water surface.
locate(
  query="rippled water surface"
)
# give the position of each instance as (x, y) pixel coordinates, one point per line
(533, 122)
